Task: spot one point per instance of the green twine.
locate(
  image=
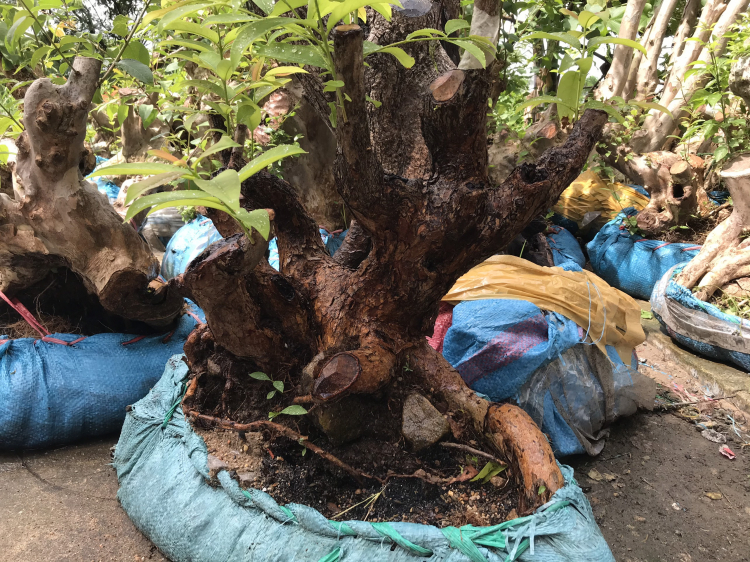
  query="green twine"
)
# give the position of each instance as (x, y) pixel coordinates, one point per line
(334, 556)
(387, 531)
(171, 411)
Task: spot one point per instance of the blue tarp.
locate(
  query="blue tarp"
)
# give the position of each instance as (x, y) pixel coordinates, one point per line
(162, 466)
(186, 244)
(631, 263)
(110, 189)
(510, 349)
(53, 394)
(699, 325)
(565, 248)
(332, 242)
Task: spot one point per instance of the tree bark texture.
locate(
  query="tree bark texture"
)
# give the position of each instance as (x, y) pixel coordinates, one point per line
(55, 218)
(725, 256)
(658, 126)
(647, 78)
(344, 330)
(617, 76)
(674, 184)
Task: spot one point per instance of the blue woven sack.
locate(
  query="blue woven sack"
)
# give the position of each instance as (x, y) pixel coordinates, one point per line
(65, 387)
(186, 244)
(699, 325)
(631, 263)
(162, 466)
(565, 248)
(510, 349)
(110, 189)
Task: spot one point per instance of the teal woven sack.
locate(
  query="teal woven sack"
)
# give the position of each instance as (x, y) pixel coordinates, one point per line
(164, 488)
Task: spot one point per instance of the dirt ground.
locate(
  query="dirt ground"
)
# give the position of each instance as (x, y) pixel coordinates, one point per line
(656, 509)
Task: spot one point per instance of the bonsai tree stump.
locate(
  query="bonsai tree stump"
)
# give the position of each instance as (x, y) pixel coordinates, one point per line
(54, 218)
(347, 333)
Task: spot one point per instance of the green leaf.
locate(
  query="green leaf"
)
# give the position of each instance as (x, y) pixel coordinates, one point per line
(194, 29)
(210, 59)
(482, 56)
(137, 51)
(147, 114)
(249, 115)
(267, 158)
(587, 19)
(405, 60)
(38, 54)
(16, 31)
(564, 37)
(258, 376)
(265, 5)
(225, 187)
(542, 489)
(284, 6)
(202, 86)
(595, 104)
(297, 54)
(490, 470)
(341, 9)
(646, 315)
(180, 13)
(257, 219)
(331, 85)
(721, 152)
(122, 113)
(278, 385)
(224, 143)
(174, 199)
(227, 18)
(597, 41)
(533, 102)
(569, 91)
(120, 25)
(651, 105)
(293, 411)
(455, 25)
(154, 181)
(134, 169)
(137, 70)
(270, 395)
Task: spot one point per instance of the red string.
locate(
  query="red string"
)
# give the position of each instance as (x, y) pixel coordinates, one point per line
(691, 248)
(139, 338)
(659, 247)
(194, 317)
(168, 337)
(25, 314)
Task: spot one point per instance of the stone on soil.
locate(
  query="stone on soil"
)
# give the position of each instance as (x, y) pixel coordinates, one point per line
(422, 424)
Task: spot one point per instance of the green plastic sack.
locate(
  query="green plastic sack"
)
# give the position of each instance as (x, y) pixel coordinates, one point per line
(164, 488)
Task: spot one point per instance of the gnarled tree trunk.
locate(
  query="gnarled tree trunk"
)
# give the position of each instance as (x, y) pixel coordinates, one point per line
(348, 332)
(55, 218)
(725, 256)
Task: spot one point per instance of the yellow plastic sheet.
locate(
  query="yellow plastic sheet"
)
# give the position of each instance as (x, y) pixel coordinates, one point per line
(589, 193)
(610, 316)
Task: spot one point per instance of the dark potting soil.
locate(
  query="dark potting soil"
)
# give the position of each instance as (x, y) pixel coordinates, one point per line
(283, 468)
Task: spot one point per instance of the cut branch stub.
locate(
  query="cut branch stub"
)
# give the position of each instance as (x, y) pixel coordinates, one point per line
(337, 376)
(447, 85)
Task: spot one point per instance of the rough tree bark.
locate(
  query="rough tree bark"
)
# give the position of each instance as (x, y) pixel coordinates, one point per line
(687, 26)
(725, 256)
(348, 332)
(55, 218)
(614, 83)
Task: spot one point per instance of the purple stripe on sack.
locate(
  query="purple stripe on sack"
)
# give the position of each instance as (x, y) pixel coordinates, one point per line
(505, 348)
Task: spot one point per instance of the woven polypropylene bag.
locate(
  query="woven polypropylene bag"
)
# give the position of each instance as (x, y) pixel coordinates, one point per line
(186, 244)
(54, 394)
(698, 325)
(164, 488)
(631, 263)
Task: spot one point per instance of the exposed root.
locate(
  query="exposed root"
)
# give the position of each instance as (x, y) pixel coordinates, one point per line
(358, 475)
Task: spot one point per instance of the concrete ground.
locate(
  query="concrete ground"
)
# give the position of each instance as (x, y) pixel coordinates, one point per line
(60, 505)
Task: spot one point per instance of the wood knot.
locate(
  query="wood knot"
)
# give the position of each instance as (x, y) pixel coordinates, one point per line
(48, 116)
